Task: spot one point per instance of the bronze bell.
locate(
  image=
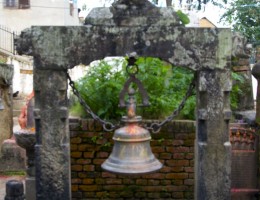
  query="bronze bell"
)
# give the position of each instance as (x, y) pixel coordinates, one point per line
(131, 153)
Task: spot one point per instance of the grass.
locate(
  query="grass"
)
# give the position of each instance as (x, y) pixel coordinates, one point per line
(12, 173)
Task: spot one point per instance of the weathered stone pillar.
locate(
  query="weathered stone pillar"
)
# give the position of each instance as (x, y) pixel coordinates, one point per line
(212, 146)
(6, 92)
(52, 150)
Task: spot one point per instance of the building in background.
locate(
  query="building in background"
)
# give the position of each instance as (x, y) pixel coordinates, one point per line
(17, 15)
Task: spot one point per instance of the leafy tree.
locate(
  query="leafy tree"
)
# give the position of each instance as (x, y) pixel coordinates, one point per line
(244, 16)
(198, 4)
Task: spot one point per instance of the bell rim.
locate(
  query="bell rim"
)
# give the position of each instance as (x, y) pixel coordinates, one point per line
(149, 168)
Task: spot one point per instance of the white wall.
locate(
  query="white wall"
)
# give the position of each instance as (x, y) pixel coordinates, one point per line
(41, 12)
(23, 76)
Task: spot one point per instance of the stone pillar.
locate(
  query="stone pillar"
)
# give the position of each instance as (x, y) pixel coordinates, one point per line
(6, 119)
(52, 149)
(212, 146)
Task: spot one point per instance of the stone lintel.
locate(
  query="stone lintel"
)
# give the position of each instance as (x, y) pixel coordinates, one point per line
(64, 47)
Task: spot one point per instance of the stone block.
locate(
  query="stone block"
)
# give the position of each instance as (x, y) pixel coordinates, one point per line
(13, 157)
(30, 188)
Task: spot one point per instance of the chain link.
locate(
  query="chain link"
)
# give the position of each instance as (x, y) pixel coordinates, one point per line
(108, 126)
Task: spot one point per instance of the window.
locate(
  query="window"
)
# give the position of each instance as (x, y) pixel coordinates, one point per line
(10, 3)
(24, 4)
(20, 4)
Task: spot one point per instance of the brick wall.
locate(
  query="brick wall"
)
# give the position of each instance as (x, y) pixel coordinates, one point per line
(173, 146)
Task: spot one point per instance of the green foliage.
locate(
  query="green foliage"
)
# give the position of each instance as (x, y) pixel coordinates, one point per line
(244, 16)
(183, 17)
(238, 79)
(3, 59)
(12, 173)
(166, 86)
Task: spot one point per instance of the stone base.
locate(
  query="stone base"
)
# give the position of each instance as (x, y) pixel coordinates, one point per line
(13, 157)
(30, 191)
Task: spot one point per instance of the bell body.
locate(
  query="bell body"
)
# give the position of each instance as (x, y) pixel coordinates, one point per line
(131, 152)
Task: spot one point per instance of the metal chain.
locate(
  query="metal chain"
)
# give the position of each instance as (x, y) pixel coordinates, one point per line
(156, 127)
(107, 126)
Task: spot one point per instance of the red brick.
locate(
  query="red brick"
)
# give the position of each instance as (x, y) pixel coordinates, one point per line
(155, 176)
(152, 188)
(188, 143)
(189, 169)
(191, 163)
(177, 142)
(73, 147)
(141, 182)
(177, 169)
(189, 182)
(113, 187)
(153, 195)
(82, 175)
(165, 169)
(177, 182)
(102, 154)
(166, 156)
(189, 156)
(89, 168)
(128, 181)
(100, 181)
(181, 136)
(176, 188)
(76, 181)
(88, 188)
(83, 161)
(191, 175)
(178, 156)
(76, 154)
(165, 182)
(113, 181)
(108, 175)
(102, 195)
(153, 182)
(98, 161)
(178, 195)
(176, 176)
(181, 149)
(73, 161)
(170, 149)
(76, 168)
(101, 141)
(89, 154)
(88, 195)
(76, 140)
(74, 188)
(88, 181)
(158, 149)
(177, 163)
